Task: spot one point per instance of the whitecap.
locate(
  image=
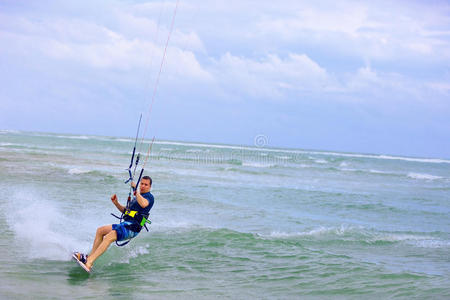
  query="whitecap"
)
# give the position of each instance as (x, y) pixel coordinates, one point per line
(432, 243)
(76, 137)
(6, 131)
(416, 240)
(123, 140)
(320, 161)
(283, 157)
(258, 165)
(76, 171)
(339, 230)
(423, 176)
(426, 160)
(378, 172)
(194, 150)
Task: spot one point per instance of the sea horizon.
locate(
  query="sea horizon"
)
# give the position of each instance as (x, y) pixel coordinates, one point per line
(249, 146)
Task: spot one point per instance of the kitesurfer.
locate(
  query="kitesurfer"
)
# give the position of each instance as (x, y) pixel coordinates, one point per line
(135, 215)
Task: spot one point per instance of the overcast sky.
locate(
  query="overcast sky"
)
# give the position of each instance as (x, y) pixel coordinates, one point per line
(358, 76)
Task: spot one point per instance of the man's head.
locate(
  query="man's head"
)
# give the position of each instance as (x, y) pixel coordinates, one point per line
(145, 185)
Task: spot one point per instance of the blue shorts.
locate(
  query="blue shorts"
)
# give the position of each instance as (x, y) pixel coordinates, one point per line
(124, 233)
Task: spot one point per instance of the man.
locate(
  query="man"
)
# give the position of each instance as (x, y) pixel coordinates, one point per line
(137, 210)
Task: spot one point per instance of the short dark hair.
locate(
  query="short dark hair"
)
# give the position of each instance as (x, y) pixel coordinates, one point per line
(148, 178)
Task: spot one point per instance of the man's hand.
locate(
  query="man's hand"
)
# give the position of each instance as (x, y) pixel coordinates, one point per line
(136, 190)
(117, 204)
(114, 199)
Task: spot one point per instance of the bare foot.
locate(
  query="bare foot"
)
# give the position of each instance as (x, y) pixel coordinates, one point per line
(88, 264)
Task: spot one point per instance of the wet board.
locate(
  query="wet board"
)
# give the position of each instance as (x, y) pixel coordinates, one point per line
(80, 263)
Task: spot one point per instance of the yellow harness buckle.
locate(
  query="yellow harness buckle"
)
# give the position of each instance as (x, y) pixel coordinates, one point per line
(131, 213)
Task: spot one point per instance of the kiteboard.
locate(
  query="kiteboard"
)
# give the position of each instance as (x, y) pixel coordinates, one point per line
(74, 256)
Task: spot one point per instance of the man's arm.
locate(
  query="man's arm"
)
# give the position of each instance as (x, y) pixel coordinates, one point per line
(114, 200)
(141, 200)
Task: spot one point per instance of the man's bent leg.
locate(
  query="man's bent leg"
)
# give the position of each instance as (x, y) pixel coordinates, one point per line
(107, 240)
(101, 232)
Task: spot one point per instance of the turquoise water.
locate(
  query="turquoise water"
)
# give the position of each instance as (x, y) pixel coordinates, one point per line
(228, 221)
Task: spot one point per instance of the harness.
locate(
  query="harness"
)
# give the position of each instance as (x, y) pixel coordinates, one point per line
(141, 218)
(142, 221)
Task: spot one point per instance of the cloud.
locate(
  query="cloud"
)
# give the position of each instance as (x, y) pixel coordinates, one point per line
(95, 45)
(134, 42)
(379, 30)
(385, 89)
(269, 77)
(442, 87)
(348, 20)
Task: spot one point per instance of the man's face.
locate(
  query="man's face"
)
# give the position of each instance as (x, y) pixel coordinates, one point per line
(145, 186)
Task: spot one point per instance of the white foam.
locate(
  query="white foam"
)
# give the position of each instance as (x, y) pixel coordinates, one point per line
(283, 157)
(38, 230)
(76, 137)
(423, 176)
(426, 160)
(123, 140)
(320, 161)
(432, 243)
(378, 172)
(71, 136)
(416, 240)
(258, 165)
(400, 237)
(314, 232)
(194, 150)
(76, 171)
(5, 131)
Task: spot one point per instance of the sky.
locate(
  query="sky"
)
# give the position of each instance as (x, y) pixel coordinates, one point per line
(354, 76)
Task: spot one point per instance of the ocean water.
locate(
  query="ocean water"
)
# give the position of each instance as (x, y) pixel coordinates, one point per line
(228, 222)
